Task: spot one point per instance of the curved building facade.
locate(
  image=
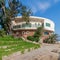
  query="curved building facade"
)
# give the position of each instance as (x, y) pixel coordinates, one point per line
(20, 28)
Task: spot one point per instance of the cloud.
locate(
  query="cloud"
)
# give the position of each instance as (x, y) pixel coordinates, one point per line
(40, 6)
(43, 6)
(56, 1)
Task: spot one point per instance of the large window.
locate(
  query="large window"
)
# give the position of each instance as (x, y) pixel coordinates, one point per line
(38, 25)
(26, 25)
(48, 24)
(17, 26)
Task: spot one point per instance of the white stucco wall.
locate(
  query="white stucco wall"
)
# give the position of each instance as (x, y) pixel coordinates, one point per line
(52, 25)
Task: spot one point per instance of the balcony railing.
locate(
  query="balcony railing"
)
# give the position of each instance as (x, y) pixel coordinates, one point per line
(26, 26)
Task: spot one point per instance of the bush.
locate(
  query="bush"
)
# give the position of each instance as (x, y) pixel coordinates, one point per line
(2, 33)
(36, 39)
(31, 38)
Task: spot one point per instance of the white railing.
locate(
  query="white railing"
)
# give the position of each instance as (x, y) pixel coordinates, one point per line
(26, 26)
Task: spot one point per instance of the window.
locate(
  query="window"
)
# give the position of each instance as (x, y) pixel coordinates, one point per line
(38, 25)
(27, 32)
(48, 24)
(17, 26)
(14, 27)
(46, 33)
(23, 25)
(35, 24)
(23, 32)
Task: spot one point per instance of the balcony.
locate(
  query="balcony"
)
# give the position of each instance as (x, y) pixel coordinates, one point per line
(26, 26)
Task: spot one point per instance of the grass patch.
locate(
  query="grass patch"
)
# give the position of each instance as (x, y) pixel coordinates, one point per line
(9, 45)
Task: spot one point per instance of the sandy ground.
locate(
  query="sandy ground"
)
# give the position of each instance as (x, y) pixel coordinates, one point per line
(46, 52)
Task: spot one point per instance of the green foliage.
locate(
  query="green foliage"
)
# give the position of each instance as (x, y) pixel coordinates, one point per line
(31, 38)
(36, 39)
(37, 35)
(25, 12)
(2, 33)
(9, 13)
(51, 39)
(35, 47)
(38, 32)
(13, 45)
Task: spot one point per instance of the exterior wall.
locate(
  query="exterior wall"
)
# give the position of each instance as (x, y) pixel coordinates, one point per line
(23, 33)
(51, 27)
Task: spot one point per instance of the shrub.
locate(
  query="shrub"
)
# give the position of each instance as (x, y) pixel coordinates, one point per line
(20, 39)
(2, 33)
(31, 38)
(36, 39)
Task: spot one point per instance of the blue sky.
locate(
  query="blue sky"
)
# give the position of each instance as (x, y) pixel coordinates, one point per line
(45, 8)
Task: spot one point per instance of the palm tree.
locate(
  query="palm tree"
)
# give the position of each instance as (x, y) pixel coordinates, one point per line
(52, 38)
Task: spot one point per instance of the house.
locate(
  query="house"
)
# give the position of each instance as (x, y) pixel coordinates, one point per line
(20, 28)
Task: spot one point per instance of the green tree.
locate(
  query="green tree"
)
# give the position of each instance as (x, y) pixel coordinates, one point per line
(9, 13)
(2, 12)
(25, 12)
(38, 32)
(37, 35)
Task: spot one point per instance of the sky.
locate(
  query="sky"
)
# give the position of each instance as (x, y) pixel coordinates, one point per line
(45, 8)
